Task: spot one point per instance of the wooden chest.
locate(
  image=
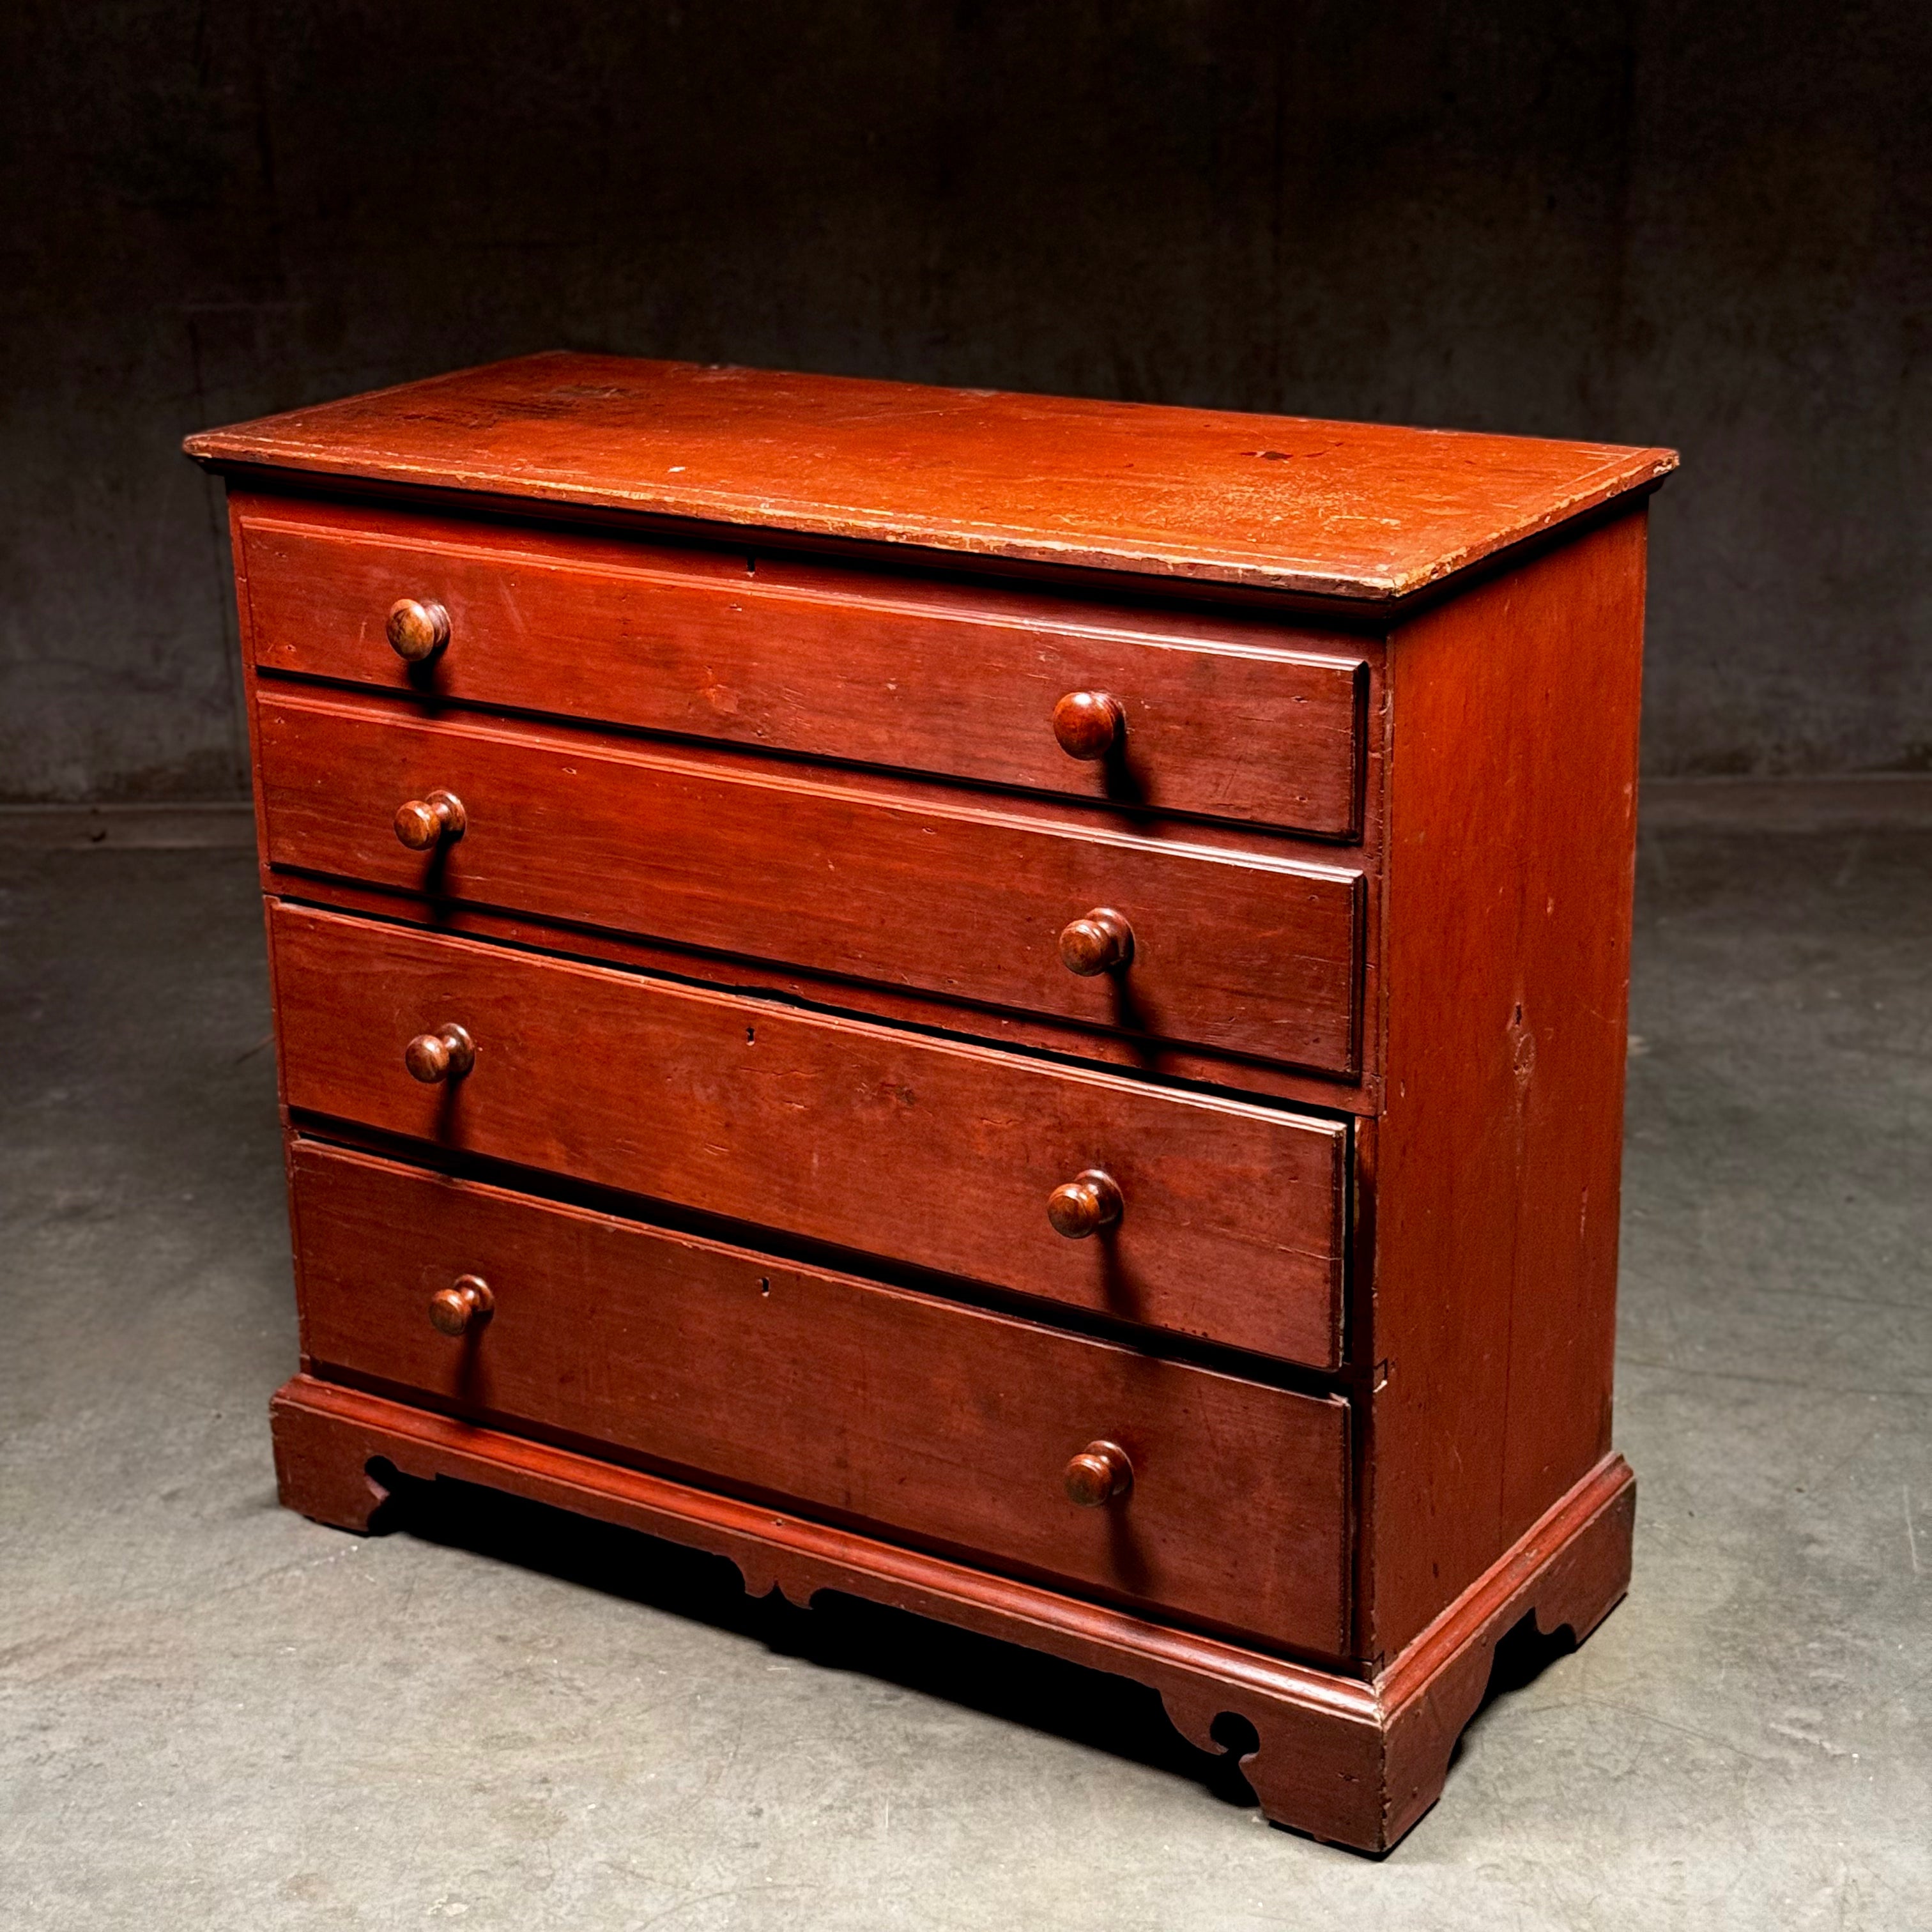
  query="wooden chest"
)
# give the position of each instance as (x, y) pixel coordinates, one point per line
(1012, 1006)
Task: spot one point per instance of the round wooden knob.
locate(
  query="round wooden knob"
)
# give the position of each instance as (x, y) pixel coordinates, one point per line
(1101, 942)
(466, 1304)
(1085, 1205)
(448, 1054)
(1089, 723)
(1099, 1473)
(417, 632)
(424, 823)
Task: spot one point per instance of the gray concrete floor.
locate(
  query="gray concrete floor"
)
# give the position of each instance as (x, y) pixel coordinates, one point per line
(218, 1715)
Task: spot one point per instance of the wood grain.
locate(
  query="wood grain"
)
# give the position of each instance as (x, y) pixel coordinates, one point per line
(1513, 714)
(918, 1150)
(892, 1410)
(1256, 721)
(1357, 510)
(1232, 950)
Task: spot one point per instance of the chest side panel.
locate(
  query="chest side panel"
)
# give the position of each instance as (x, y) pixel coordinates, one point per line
(1510, 850)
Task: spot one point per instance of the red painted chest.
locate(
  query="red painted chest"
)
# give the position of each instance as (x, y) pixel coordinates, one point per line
(1011, 1006)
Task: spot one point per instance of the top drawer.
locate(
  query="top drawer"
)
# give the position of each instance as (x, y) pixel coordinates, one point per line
(1221, 717)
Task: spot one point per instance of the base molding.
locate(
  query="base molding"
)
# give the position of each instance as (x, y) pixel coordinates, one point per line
(1355, 1762)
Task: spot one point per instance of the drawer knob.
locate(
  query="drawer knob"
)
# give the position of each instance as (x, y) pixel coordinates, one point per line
(1085, 1205)
(466, 1305)
(1101, 942)
(1101, 1473)
(424, 823)
(448, 1054)
(1089, 723)
(417, 632)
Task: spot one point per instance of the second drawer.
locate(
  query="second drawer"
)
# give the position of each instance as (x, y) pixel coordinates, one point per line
(1231, 1217)
(1234, 950)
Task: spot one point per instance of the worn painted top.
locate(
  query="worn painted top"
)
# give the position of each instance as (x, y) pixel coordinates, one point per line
(1353, 510)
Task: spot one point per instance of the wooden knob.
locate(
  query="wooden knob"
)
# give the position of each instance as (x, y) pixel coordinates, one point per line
(1085, 1205)
(1101, 942)
(448, 1054)
(1089, 723)
(1101, 1473)
(417, 632)
(465, 1305)
(425, 823)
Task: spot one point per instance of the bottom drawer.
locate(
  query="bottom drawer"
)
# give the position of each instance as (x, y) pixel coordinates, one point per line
(890, 1410)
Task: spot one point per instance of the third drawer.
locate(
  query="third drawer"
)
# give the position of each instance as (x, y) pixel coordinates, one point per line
(918, 1150)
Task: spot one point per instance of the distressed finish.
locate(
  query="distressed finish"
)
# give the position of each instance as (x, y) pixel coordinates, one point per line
(1333, 510)
(1011, 1006)
(1495, 1262)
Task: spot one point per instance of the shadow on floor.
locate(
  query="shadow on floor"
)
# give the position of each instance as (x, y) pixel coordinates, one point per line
(1523, 1653)
(838, 1633)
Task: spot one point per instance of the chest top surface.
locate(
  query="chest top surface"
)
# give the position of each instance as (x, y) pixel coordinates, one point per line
(1360, 511)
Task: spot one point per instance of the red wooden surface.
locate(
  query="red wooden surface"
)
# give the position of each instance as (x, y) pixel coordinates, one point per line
(1512, 836)
(890, 1409)
(1233, 950)
(1245, 721)
(1259, 1079)
(915, 1149)
(1355, 1763)
(1475, 980)
(1355, 510)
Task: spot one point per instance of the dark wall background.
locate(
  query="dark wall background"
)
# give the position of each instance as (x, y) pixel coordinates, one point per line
(1654, 222)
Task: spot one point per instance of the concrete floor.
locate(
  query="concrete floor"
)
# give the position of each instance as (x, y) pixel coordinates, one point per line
(217, 1715)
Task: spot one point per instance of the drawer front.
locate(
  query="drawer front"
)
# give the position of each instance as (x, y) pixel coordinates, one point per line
(832, 664)
(939, 1423)
(1231, 951)
(1232, 1216)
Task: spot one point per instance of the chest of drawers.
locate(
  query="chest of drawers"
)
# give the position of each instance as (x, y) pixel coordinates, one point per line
(1011, 1006)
